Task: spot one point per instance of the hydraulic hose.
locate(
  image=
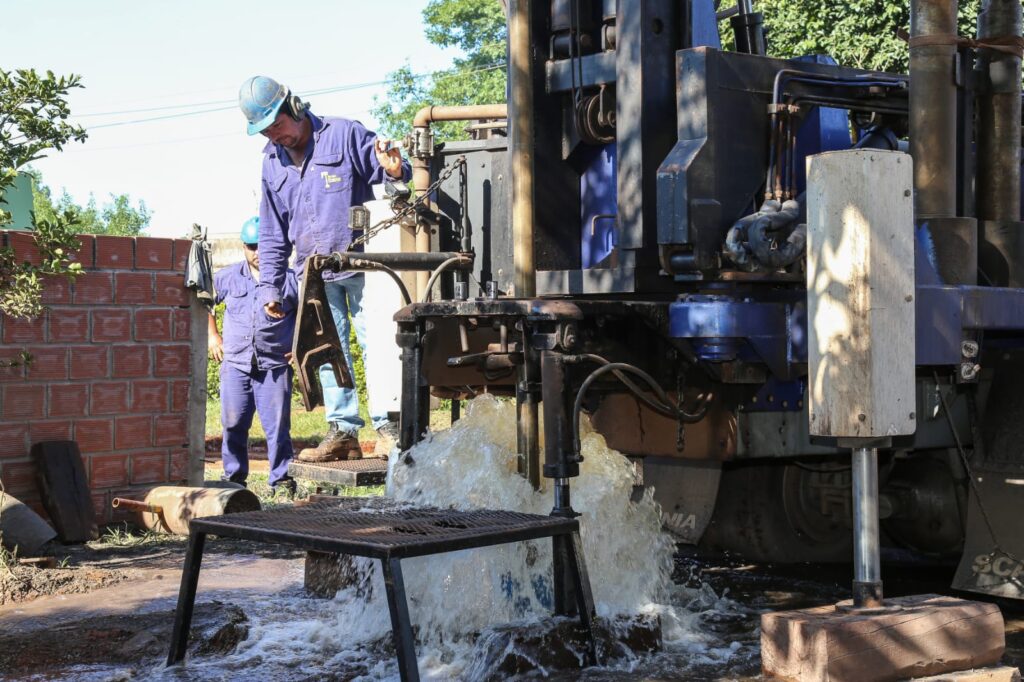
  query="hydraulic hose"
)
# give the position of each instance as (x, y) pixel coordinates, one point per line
(437, 273)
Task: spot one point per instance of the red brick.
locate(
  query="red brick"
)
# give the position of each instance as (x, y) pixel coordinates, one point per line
(94, 435)
(170, 289)
(114, 252)
(179, 396)
(131, 361)
(153, 325)
(49, 430)
(111, 325)
(179, 466)
(13, 441)
(12, 365)
(153, 253)
(149, 396)
(171, 429)
(94, 287)
(133, 287)
(23, 402)
(17, 330)
(48, 362)
(68, 400)
(133, 432)
(101, 506)
(109, 398)
(56, 289)
(173, 361)
(182, 247)
(181, 325)
(25, 248)
(90, 362)
(68, 325)
(86, 252)
(19, 479)
(108, 471)
(149, 467)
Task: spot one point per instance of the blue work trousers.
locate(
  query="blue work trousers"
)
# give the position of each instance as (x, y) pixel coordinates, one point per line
(345, 297)
(244, 393)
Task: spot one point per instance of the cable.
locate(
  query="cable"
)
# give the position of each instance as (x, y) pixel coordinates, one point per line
(437, 273)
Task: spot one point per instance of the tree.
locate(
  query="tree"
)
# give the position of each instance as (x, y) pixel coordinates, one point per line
(478, 77)
(33, 119)
(118, 217)
(858, 33)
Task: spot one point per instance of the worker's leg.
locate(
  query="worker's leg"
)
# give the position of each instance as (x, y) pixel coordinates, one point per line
(342, 404)
(379, 417)
(272, 389)
(236, 409)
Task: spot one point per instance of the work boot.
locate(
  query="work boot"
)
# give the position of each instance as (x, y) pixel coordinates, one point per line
(335, 446)
(387, 439)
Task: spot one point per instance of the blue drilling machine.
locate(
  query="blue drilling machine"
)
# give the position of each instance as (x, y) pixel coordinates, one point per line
(628, 240)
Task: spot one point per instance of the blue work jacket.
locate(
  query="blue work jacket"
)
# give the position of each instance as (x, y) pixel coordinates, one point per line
(306, 207)
(248, 330)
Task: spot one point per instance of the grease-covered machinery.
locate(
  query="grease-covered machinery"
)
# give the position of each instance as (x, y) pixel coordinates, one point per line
(638, 245)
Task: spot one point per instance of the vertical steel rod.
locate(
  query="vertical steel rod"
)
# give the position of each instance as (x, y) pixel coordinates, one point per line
(867, 569)
(186, 597)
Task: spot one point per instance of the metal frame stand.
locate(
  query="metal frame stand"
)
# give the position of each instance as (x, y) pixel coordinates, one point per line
(278, 527)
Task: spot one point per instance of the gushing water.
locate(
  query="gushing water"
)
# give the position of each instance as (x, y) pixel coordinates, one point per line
(455, 597)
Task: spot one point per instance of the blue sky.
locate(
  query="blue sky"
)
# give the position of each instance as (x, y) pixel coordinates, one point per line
(158, 58)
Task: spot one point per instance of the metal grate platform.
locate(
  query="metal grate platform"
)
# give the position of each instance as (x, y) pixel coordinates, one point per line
(353, 472)
(383, 529)
(373, 528)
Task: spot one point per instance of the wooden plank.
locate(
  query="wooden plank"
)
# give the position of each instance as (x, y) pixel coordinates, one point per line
(927, 635)
(860, 294)
(65, 490)
(1003, 673)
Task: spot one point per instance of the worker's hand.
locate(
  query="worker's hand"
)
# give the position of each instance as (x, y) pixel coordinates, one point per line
(215, 347)
(274, 310)
(389, 156)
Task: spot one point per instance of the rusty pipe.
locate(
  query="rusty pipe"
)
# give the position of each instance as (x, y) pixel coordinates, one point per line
(421, 163)
(135, 505)
(999, 112)
(933, 107)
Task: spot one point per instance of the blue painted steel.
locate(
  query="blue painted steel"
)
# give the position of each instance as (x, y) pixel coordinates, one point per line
(598, 206)
(704, 25)
(824, 129)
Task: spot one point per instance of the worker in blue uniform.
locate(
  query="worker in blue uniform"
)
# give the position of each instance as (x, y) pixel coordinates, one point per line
(314, 169)
(255, 374)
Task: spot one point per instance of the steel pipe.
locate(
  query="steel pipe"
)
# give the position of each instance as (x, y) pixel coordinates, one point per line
(999, 115)
(867, 569)
(933, 107)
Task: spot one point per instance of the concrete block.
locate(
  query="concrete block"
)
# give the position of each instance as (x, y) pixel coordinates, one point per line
(927, 635)
(1001, 673)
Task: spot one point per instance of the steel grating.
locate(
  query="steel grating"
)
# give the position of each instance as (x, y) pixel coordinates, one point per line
(366, 471)
(377, 528)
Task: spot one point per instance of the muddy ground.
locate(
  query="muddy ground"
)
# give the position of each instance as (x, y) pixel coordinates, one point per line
(123, 621)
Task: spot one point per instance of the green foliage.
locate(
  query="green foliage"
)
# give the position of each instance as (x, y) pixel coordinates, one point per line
(118, 217)
(33, 119)
(858, 33)
(213, 366)
(477, 27)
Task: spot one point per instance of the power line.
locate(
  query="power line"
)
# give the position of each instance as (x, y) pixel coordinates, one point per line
(307, 93)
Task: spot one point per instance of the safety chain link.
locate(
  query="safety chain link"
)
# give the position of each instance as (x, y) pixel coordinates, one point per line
(410, 208)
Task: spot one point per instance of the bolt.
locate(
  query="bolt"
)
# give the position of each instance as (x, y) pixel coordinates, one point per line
(913, 416)
(908, 298)
(906, 192)
(969, 371)
(969, 349)
(862, 417)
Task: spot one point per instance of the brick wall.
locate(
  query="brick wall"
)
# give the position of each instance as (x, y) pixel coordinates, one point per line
(111, 369)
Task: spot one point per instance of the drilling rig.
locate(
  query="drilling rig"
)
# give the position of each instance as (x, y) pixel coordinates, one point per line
(631, 238)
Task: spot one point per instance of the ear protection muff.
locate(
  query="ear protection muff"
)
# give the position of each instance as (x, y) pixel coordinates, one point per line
(296, 107)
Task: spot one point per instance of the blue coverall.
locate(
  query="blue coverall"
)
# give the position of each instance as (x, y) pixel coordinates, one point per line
(254, 376)
(306, 207)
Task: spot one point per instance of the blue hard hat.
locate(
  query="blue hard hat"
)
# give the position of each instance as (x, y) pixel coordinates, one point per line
(260, 98)
(251, 231)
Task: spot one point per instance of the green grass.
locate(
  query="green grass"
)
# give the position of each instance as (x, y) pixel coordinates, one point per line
(128, 535)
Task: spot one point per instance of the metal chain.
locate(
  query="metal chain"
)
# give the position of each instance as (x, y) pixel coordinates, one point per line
(681, 428)
(373, 231)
